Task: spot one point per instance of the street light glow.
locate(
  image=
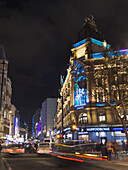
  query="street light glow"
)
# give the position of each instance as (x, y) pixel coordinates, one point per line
(74, 127)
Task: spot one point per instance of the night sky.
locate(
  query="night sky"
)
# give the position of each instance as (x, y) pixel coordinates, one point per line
(37, 36)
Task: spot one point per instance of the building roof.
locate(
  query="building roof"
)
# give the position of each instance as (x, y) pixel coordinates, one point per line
(90, 30)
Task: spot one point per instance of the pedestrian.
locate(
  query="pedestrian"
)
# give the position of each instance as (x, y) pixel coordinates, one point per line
(0, 148)
(115, 148)
(123, 145)
(98, 147)
(36, 146)
(109, 149)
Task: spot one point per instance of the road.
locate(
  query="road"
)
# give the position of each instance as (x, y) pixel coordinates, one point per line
(34, 162)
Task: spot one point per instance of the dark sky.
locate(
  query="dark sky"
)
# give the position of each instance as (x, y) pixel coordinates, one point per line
(37, 36)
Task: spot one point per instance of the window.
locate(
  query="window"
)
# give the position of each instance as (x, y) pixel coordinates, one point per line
(83, 118)
(102, 117)
(127, 114)
(5, 114)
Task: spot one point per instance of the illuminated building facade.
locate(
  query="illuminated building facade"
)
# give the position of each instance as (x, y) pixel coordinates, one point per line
(35, 123)
(12, 120)
(91, 113)
(5, 95)
(48, 111)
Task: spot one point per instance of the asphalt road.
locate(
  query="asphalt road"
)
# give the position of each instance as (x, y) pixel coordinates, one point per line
(34, 162)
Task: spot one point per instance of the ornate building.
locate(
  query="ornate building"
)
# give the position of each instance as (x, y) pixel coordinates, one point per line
(84, 100)
(5, 95)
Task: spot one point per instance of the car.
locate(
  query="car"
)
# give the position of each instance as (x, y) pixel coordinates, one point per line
(13, 149)
(44, 148)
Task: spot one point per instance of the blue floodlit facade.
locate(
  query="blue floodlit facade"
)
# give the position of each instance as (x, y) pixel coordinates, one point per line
(85, 105)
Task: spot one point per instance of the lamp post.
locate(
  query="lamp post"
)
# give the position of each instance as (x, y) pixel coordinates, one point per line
(61, 92)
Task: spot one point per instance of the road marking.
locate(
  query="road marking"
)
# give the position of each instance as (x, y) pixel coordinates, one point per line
(7, 164)
(122, 164)
(46, 163)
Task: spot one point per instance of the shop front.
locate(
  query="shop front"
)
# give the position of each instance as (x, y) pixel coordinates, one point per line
(97, 134)
(118, 134)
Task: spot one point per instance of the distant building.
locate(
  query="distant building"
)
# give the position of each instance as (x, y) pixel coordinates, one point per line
(36, 124)
(48, 111)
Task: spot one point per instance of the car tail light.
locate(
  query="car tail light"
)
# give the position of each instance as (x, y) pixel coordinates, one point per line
(9, 150)
(50, 150)
(19, 150)
(38, 151)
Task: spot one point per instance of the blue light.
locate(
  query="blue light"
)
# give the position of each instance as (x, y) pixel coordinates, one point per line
(111, 54)
(100, 43)
(101, 104)
(81, 78)
(97, 55)
(97, 129)
(118, 129)
(79, 43)
(16, 125)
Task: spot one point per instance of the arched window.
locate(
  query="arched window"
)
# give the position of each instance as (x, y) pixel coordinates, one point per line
(83, 118)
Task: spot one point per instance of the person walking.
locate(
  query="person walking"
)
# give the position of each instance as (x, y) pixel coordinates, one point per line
(0, 148)
(115, 148)
(109, 149)
(123, 146)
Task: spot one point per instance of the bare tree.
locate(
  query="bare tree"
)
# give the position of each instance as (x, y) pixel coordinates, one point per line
(111, 84)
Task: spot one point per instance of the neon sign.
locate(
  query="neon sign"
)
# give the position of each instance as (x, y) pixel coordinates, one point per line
(98, 129)
(16, 125)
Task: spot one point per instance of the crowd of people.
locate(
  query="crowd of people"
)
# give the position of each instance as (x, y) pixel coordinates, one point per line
(110, 148)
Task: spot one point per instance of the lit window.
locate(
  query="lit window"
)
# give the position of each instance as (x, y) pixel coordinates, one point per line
(102, 118)
(83, 118)
(127, 114)
(4, 114)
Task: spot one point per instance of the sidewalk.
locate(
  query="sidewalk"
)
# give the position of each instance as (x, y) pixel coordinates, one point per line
(115, 164)
(2, 165)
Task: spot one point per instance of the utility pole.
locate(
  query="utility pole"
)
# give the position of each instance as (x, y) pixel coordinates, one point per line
(61, 81)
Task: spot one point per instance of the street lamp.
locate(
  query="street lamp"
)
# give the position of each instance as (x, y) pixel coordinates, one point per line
(61, 93)
(74, 127)
(73, 130)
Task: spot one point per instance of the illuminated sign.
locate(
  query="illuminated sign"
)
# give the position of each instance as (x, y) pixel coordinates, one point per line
(80, 52)
(16, 126)
(82, 133)
(79, 107)
(80, 95)
(67, 129)
(39, 126)
(100, 104)
(118, 129)
(98, 129)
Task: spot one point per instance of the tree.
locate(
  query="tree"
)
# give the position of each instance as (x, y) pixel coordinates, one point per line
(111, 83)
